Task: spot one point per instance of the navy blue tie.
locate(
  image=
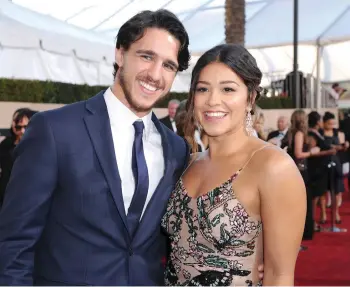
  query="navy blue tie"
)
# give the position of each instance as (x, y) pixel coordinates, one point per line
(140, 171)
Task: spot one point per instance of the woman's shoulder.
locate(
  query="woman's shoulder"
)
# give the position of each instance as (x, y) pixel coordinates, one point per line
(270, 157)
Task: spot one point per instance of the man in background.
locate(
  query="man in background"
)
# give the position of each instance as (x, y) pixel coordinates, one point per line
(275, 137)
(169, 121)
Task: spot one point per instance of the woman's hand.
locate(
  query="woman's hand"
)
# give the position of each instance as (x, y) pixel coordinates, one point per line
(315, 150)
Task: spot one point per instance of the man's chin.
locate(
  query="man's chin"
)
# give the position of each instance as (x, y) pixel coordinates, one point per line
(142, 107)
(145, 105)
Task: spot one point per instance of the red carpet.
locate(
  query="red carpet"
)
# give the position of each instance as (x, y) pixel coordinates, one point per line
(326, 262)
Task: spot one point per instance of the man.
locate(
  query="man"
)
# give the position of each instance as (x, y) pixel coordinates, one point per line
(339, 90)
(276, 137)
(76, 212)
(169, 120)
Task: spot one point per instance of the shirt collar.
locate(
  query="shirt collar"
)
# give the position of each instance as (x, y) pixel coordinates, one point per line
(284, 131)
(121, 117)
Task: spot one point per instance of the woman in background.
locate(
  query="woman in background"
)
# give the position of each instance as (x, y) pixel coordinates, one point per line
(300, 151)
(318, 171)
(336, 139)
(259, 121)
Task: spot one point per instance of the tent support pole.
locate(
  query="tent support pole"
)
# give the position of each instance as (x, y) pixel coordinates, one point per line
(318, 77)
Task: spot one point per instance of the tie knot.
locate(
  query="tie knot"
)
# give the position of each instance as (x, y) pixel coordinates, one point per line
(139, 126)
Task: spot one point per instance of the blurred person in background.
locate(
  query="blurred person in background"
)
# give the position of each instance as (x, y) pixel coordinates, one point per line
(169, 120)
(199, 135)
(344, 125)
(339, 89)
(300, 151)
(258, 124)
(19, 124)
(276, 137)
(318, 170)
(336, 139)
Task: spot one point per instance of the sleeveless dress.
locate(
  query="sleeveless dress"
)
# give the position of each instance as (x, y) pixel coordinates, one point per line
(336, 176)
(214, 241)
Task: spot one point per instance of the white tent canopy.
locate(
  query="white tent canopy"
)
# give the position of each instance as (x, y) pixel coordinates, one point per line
(323, 30)
(35, 46)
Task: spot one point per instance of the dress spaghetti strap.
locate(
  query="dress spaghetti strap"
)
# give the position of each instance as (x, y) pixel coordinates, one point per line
(234, 176)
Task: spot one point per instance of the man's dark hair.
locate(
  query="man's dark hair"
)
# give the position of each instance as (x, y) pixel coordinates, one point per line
(135, 27)
(335, 85)
(313, 119)
(20, 114)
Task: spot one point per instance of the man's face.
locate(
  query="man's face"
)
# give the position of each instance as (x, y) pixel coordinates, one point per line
(282, 123)
(20, 127)
(172, 107)
(147, 69)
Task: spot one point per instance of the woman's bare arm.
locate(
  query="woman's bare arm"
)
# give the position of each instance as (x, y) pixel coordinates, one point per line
(283, 212)
(312, 143)
(298, 146)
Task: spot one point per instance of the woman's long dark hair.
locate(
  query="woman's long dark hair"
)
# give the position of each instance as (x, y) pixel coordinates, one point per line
(239, 60)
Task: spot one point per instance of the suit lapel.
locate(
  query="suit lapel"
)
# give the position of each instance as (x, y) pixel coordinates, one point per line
(99, 128)
(154, 210)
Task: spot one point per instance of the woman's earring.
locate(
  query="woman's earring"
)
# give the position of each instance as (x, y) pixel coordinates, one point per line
(249, 123)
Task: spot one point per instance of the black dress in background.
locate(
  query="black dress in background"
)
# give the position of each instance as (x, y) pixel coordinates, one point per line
(302, 165)
(317, 167)
(336, 181)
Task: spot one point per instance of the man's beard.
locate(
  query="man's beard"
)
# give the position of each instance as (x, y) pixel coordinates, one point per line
(126, 90)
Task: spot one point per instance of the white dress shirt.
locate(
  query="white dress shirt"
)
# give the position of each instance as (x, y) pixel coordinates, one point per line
(123, 133)
(173, 124)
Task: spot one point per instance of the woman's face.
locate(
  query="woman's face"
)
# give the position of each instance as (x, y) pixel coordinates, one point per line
(220, 100)
(329, 124)
(20, 127)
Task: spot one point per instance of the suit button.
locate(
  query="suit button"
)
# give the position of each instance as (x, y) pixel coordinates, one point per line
(131, 252)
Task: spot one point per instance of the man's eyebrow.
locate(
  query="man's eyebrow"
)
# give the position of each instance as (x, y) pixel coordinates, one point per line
(147, 52)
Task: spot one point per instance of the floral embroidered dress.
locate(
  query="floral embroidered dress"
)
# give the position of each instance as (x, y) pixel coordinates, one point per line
(214, 242)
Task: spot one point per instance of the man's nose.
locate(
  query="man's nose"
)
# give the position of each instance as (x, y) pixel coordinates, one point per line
(155, 71)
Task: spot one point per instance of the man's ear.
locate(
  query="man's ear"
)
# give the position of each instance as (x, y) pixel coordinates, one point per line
(119, 56)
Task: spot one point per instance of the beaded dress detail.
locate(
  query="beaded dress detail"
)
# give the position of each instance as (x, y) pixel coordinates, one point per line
(214, 241)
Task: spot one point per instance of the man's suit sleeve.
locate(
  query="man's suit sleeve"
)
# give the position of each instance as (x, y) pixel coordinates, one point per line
(271, 135)
(27, 202)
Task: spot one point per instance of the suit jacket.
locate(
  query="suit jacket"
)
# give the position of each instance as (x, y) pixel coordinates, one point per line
(63, 221)
(167, 122)
(6, 161)
(273, 134)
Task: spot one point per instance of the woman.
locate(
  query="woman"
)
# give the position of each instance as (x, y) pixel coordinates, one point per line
(19, 124)
(259, 121)
(318, 171)
(300, 151)
(333, 137)
(236, 193)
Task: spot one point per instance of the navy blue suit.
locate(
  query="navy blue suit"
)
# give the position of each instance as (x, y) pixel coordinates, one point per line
(63, 219)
